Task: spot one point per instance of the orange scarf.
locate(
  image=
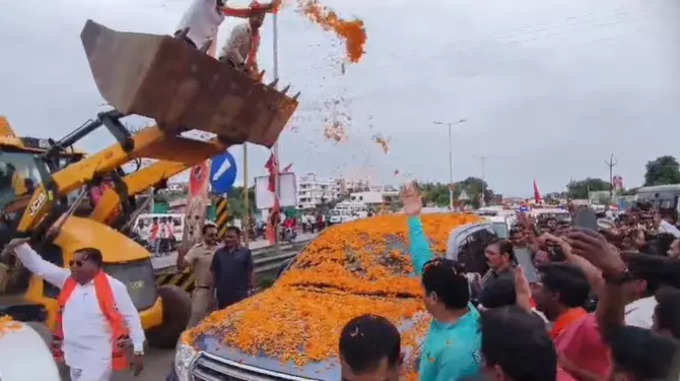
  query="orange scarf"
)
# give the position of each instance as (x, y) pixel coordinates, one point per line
(108, 307)
(251, 61)
(565, 320)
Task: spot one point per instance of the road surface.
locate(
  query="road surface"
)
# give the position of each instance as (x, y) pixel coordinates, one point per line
(156, 366)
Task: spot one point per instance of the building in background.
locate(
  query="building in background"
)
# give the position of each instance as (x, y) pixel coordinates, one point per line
(375, 198)
(313, 190)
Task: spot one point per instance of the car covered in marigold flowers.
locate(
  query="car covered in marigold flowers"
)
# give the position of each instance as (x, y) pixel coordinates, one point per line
(291, 330)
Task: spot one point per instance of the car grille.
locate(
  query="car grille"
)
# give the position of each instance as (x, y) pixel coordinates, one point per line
(138, 278)
(212, 368)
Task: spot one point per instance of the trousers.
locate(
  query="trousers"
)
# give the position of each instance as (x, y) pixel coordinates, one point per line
(202, 302)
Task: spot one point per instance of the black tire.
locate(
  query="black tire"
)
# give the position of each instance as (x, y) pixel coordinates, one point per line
(176, 313)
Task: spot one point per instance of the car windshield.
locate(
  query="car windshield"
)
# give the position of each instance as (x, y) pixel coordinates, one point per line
(19, 174)
(501, 229)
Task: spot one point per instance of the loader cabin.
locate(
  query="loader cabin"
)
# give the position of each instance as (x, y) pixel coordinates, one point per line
(22, 167)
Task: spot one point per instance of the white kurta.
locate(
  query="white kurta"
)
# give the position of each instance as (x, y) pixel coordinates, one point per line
(87, 333)
(203, 20)
(640, 313)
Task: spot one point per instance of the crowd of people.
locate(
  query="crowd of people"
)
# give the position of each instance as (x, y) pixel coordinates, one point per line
(601, 304)
(552, 302)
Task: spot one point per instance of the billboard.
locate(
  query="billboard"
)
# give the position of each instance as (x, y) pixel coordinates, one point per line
(264, 199)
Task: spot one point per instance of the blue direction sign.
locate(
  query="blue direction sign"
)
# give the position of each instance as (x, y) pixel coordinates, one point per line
(222, 173)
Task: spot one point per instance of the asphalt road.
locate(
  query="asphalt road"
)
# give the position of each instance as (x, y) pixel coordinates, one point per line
(156, 366)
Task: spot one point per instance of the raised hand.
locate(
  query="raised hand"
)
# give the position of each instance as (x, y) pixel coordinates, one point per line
(13, 244)
(413, 204)
(522, 290)
(595, 248)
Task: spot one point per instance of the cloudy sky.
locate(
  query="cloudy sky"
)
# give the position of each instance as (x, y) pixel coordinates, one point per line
(549, 88)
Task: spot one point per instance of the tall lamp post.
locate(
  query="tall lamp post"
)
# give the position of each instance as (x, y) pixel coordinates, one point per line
(450, 124)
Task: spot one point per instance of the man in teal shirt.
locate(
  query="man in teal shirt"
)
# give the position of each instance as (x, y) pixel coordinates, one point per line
(451, 348)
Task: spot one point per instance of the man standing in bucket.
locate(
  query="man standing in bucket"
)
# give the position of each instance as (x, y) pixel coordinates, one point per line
(240, 50)
(200, 23)
(96, 319)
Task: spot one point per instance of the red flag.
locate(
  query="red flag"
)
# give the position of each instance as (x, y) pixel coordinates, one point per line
(537, 193)
(271, 166)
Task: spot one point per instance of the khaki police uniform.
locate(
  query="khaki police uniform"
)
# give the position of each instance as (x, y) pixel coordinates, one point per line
(199, 258)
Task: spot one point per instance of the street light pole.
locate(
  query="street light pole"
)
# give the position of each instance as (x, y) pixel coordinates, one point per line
(450, 169)
(450, 125)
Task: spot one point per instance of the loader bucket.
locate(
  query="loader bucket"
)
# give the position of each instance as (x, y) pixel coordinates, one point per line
(165, 78)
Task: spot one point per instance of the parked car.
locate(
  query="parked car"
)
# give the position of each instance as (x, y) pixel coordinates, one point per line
(290, 331)
(24, 354)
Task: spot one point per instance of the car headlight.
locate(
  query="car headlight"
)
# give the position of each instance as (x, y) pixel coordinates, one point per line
(184, 356)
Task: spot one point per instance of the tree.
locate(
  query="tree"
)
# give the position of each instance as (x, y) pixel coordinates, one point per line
(235, 205)
(473, 187)
(663, 170)
(434, 194)
(437, 194)
(580, 189)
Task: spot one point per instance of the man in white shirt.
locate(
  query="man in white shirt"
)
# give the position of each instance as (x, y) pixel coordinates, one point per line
(203, 19)
(86, 326)
(241, 48)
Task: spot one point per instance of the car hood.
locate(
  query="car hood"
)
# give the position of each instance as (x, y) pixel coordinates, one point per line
(324, 370)
(214, 338)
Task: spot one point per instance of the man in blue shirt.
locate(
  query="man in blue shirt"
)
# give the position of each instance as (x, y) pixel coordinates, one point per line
(452, 344)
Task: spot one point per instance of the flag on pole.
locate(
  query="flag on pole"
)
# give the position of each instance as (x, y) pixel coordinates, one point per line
(537, 193)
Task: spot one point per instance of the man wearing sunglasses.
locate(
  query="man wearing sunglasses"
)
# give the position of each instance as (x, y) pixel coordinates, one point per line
(96, 320)
(199, 258)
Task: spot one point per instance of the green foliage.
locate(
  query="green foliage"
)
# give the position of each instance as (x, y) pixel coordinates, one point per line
(580, 189)
(437, 194)
(236, 206)
(663, 170)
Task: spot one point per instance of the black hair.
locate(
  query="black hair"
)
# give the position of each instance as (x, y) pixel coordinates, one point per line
(440, 276)
(498, 292)
(93, 255)
(471, 257)
(508, 335)
(368, 339)
(658, 244)
(204, 229)
(668, 310)
(643, 353)
(568, 280)
(655, 270)
(234, 229)
(505, 246)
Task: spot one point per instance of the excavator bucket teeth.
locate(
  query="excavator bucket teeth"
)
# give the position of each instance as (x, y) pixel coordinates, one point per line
(165, 78)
